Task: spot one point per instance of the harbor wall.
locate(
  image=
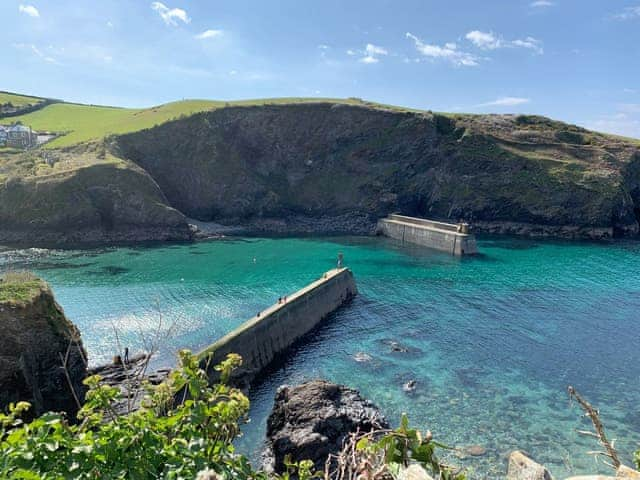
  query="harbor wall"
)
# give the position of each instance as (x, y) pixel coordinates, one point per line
(428, 233)
(259, 340)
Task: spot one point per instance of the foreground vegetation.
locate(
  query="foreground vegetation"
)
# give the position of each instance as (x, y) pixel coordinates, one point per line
(162, 440)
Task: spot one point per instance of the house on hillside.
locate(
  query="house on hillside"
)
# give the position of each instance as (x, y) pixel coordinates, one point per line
(20, 136)
(3, 136)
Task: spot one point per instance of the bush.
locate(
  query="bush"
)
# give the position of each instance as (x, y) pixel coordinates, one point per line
(159, 440)
(192, 439)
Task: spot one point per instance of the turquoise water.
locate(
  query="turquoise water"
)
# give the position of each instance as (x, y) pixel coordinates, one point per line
(492, 341)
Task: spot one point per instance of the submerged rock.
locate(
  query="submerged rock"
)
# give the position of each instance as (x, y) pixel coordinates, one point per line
(522, 467)
(311, 421)
(410, 386)
(37, 339)
(362, 357)
(475, 450)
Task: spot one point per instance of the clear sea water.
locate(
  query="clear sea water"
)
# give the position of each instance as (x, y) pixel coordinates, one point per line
(492, 341)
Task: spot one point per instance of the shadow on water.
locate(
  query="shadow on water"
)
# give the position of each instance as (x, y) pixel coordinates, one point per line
(112, 270)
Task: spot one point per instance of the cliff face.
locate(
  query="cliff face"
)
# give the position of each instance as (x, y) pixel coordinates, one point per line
(324, 168)
(36, 336)
(337, 168)
(85, 198)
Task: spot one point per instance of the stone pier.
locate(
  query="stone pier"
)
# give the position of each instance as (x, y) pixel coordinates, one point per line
(446, 237)
(260, 339)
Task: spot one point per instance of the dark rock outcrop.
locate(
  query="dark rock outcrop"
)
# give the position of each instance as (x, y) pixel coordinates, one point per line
(130, 379)
(311, 421)
(335, 168)
(35, 341)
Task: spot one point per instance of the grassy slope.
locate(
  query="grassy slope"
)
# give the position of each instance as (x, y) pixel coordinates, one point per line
(88, 122)
(19, 100)
(19, 287)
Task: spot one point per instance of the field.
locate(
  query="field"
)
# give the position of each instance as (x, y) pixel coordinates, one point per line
(19, 100)
(80, 123)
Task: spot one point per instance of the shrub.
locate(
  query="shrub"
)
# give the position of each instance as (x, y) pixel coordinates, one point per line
(192, 439)
(159, 440)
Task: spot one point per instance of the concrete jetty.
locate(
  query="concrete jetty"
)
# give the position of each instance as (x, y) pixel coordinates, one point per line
(446, 237)
(260, 339)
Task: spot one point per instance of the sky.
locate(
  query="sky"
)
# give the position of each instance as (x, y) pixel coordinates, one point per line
(573, 60)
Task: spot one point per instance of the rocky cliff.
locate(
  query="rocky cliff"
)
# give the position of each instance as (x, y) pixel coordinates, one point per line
(337, 168)
(83, 196)
(37, 339)
(325, 168)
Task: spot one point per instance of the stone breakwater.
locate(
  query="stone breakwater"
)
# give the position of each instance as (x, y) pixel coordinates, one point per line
(446, 237)
(262, 338)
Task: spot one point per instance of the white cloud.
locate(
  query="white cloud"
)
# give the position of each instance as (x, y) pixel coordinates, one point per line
(484, 40)
(491, 41)
(372, 49)
(505, 102)
(541, 4)
(628, 13)
(629, 90)
(530, 43)
(109, 24)
(209, 34)
(369, 59)
(322, 46)
(370, 54)
(170, 15)
(447, 52)
(29, 10)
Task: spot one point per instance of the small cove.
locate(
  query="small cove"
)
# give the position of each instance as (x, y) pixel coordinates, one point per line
(492, 341)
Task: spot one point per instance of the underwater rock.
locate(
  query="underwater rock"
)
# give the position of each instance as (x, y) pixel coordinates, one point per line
(397, 347)
(475, 450)
(362, 357)
(410, 386)
(311, 421)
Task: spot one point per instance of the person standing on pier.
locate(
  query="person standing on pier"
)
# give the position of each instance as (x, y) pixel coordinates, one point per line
(340, 258)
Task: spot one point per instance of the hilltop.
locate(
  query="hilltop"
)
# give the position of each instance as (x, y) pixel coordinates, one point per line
(318, 166)
(78, 123)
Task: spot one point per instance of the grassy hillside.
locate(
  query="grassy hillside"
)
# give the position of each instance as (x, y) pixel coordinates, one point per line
(86, 122)
(82, 123)
(19, 100)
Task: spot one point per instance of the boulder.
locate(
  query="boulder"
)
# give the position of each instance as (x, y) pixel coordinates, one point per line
(522, 467)
(312, 420)
(37, 339)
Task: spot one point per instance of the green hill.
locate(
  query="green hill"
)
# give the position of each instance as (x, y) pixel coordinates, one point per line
(79, 123)
(19, 100)
(308, 166)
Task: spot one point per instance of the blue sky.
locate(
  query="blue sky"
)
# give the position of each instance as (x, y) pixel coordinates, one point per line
(574, 60)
